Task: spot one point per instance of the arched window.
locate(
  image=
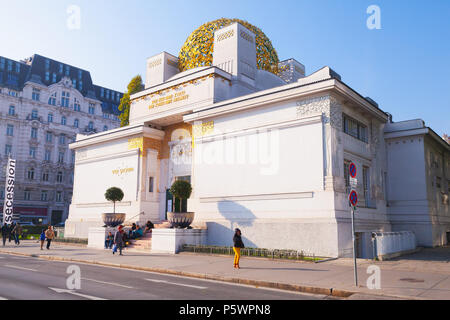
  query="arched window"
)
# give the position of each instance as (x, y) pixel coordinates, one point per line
(63, 121)
(12, 110)
(76, 123)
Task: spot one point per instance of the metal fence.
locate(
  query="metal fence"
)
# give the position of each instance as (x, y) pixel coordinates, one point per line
(254, 252)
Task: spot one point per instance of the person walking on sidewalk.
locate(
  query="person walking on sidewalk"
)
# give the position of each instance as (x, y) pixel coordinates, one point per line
(42, 239)
(237, 245)
(11, 231)
(5, 233)
(118, 240)
(50, 235)
(17, 233)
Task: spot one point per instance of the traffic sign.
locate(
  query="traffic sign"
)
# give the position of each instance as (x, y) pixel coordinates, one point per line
(352, 170)
(353, 197)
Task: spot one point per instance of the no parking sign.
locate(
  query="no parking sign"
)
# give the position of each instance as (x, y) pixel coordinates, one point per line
(353, 197)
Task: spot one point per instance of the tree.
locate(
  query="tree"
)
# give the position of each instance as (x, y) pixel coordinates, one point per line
(133, 87)
(446, 138)
(181, 190)
(114, 194)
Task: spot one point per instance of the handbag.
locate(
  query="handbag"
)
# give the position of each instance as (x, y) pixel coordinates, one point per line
(115, 248)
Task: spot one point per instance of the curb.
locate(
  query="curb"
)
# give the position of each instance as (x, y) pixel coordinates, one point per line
(257, 283)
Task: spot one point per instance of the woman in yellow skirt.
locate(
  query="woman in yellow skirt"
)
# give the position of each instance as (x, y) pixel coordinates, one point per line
(237, 245)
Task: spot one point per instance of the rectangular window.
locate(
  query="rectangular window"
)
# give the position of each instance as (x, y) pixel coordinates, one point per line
(48, 155)
(62, 139)
(67, 70)
(59, 196)
(347, 174)
(47, 64)
(44, 195)
(60, 68)
(36, 94)
(54, 78)
(80, 74)
(47, 76)
(150, 184)
(354, 128)
(91, 109)
(27, 195)
(34, 132)
(33, 152)
(366, 185)
(49, 137)
(8, 149)
(45, 176)
(61, 157)
(10, 130)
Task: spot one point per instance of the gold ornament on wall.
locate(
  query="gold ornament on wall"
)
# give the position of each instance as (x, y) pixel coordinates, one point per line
(198, 49)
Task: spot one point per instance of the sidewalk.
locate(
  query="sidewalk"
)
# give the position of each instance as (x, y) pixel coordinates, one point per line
(424, 275)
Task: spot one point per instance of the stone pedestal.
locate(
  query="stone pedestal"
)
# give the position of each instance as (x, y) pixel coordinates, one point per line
(172, 240)
(97, 236)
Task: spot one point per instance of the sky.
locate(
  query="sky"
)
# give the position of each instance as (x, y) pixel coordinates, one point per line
(404, 65)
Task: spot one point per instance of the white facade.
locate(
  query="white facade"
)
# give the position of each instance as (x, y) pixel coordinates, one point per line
(266, 154)
(419, 181)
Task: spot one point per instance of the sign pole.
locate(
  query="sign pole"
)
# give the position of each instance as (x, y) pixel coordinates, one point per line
(355, 270)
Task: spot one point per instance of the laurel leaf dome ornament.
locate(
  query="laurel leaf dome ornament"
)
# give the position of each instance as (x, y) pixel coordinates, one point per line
(198, 49)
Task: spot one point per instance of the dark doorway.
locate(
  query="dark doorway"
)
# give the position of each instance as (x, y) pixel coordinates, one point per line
(56, 216)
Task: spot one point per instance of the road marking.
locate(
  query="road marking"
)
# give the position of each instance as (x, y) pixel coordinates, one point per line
(20, 268)
(75, 293)
(176, 284)
(110, 283)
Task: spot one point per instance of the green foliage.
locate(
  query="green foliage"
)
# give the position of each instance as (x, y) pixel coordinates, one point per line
(133, 87)
(114, 194)
(180, 190)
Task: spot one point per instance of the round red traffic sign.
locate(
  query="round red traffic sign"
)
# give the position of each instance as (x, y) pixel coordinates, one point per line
(353, 197)
(352, 170)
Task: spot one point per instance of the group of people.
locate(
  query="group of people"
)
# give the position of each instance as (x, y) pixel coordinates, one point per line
(118, 241)
(12, 231)
(48, 235)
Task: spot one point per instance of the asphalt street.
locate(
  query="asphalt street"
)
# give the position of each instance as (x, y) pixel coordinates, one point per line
(27, 278)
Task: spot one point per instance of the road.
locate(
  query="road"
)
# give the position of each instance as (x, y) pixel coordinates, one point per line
(27, 278)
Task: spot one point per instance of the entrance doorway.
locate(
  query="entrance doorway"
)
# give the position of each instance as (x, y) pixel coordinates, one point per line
(172, 205)
(56, 216)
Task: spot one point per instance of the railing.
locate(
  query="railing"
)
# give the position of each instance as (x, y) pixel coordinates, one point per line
(129, 220)
(254, 252)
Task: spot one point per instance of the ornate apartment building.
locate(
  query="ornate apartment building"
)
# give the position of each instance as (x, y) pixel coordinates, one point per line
(44, 104)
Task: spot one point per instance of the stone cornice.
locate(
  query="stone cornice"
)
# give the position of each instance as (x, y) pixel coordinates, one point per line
(115, 134)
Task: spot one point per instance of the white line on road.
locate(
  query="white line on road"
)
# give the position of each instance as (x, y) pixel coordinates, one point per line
(20, 268)
(176, 284)
(75, 293)
(110, 283)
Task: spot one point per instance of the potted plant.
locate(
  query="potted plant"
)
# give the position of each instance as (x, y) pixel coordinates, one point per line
(181, 190)
(114, 219)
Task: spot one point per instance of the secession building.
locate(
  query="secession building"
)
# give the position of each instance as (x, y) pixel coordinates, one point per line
(265, 147)
(43, 105)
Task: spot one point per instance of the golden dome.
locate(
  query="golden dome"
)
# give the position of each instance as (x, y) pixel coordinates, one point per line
(198, 49)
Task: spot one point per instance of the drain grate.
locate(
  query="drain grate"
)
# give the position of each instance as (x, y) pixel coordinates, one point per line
(412, 280)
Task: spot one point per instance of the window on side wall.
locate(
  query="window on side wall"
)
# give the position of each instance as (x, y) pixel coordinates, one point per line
(354, 128)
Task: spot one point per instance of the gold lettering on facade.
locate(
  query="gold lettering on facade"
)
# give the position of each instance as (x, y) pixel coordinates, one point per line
(179, 96)
(136, 143)
(121, 171)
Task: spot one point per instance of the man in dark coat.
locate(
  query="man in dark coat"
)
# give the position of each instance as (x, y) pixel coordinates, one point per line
(118, 240)
(5, 233)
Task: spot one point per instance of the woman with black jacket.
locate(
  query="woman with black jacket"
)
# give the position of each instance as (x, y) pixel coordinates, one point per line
(237, 245)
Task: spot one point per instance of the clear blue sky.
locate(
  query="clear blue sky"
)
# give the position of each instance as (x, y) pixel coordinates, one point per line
(405, 66)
